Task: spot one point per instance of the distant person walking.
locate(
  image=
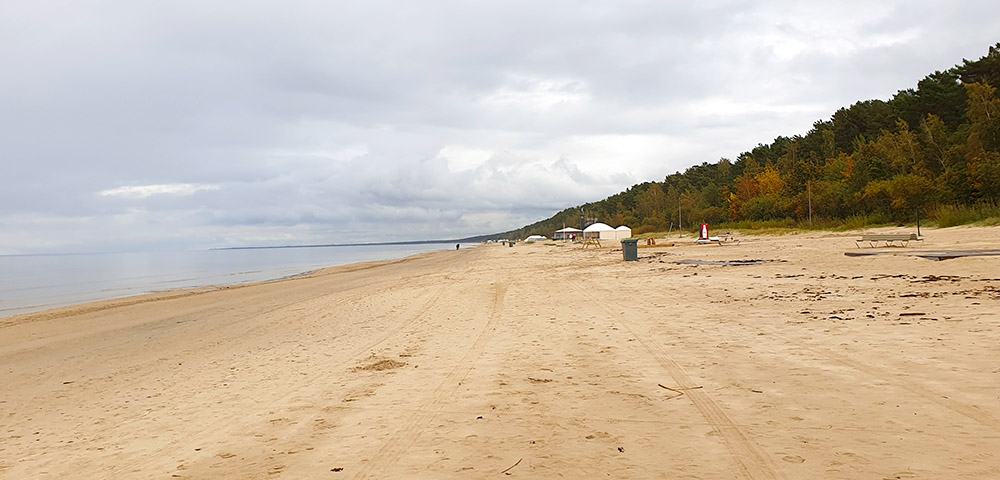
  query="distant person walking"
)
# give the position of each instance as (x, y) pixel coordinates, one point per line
(456, 246)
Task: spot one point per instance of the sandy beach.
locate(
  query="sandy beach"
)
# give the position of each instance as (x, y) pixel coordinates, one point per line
(537, 361)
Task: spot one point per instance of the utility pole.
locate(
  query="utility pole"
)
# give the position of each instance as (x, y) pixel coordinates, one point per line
(680, 230)
(809, 189)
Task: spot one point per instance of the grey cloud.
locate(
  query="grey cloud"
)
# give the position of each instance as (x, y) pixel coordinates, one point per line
(325, 121)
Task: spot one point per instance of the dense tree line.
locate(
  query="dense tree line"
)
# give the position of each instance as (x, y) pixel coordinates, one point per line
(933, 145)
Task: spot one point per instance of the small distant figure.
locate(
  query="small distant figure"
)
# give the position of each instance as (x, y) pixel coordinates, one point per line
(456, 246)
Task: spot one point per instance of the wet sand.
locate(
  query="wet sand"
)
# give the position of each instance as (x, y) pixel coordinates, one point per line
(536, 361)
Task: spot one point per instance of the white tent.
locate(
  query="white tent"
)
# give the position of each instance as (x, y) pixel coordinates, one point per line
(623, 232)
(566, 233)
(600, 231)
(535, 238)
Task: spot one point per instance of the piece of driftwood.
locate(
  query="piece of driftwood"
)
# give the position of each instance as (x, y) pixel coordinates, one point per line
(679, 389)
(512, 466)
(930, 254)
(726, 263)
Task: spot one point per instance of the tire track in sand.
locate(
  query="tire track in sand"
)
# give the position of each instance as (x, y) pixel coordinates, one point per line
(751, 461)
(401, 441)
(895, 379)
(969, 411)
(357, 353)
(891, 378)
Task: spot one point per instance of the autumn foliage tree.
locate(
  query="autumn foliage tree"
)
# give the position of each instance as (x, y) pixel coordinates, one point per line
(934, 145)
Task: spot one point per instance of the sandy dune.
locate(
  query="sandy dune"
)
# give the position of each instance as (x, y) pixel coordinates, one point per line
(535, 361)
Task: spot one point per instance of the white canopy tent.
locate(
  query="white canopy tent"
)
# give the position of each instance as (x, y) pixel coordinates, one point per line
(600, 231)
(623, 232)
(566, 233)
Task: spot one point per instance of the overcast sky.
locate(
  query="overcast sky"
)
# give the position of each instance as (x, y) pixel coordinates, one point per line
(132, 125)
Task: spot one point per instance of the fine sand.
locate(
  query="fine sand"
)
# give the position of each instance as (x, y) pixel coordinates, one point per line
(536, 361)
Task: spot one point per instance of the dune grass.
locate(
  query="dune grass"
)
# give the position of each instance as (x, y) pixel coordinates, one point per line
(984, 213)
(783, 226)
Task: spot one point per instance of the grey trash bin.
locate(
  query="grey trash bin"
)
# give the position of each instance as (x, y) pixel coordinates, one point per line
(630, 248)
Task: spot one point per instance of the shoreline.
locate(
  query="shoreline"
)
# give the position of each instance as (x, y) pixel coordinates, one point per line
(257, 274)
(87, 307)
(537, 361)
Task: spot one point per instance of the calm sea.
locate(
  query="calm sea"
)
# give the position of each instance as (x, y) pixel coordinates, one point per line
(37, 282)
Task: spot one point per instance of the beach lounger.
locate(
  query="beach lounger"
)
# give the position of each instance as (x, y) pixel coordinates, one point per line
(889, 239)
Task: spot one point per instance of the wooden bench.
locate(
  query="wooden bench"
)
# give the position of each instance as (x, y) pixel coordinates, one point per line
(889, 239)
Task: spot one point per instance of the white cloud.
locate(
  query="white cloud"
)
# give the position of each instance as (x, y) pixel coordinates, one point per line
(146, 191)
(462, 158)
(540, 94)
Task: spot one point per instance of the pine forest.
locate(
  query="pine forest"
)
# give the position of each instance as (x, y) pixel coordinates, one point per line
(933, 149)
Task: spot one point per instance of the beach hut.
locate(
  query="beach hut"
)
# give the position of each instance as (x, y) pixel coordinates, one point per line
(623, 232)
(566, 233)
(600, 231)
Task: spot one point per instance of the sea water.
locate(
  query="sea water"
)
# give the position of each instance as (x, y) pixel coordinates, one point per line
(36, 282)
